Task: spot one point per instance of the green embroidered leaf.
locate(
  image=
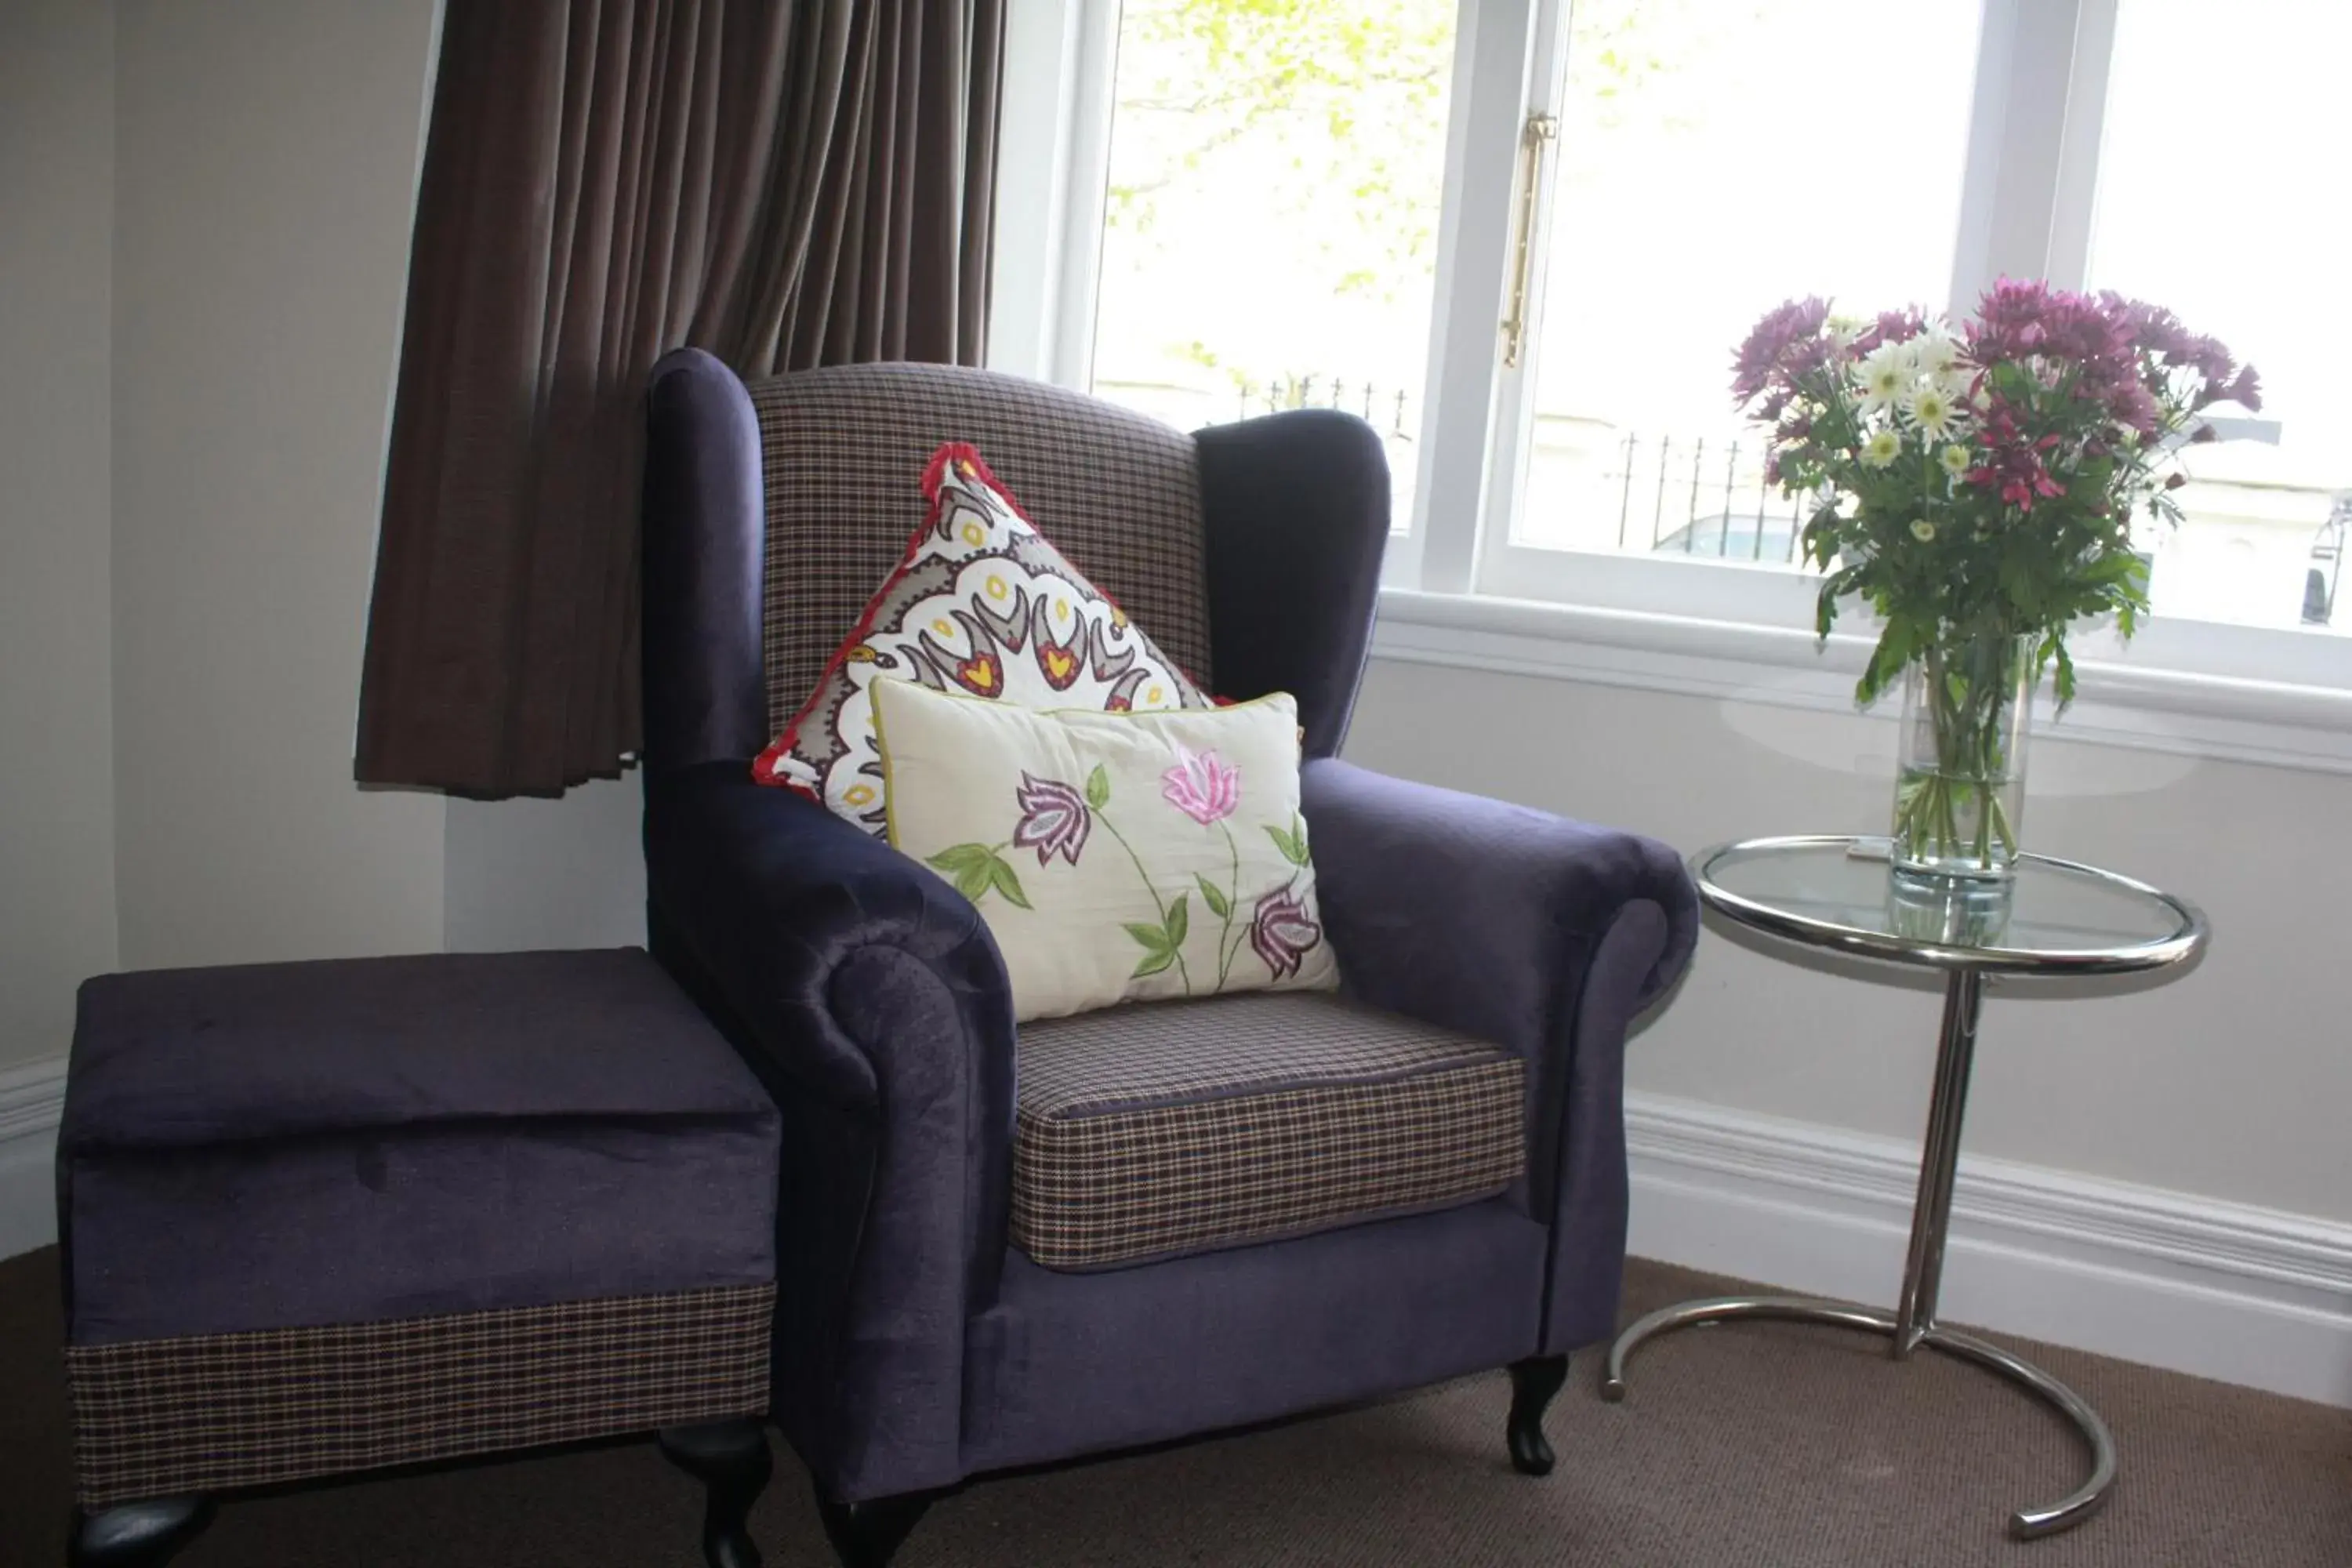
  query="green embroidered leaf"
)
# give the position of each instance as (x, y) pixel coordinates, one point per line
(1292, 843)
(1179, 921)
(1098, 788)
(1153, 938)
(1211, 897)
(956, 857)
(1153, 962)
(1001, 878)
(968, 866)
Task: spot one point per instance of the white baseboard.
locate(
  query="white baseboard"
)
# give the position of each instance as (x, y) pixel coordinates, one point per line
(32, 1097)
(2224, 1290)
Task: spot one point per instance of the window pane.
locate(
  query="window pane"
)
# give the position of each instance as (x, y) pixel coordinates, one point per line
(1715, 158)
(1277, 174)
(2224, 174)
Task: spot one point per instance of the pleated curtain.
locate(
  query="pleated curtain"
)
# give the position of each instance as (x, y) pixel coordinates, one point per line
(784, 184)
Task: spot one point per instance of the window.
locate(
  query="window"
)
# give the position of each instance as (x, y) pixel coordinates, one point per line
(1523, 236)
(2230, 206)
(1675, 225)
(1270, 223)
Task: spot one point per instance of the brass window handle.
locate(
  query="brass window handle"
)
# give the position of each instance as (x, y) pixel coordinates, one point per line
(1539, 130)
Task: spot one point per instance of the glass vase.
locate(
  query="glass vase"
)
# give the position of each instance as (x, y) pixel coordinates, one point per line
(1959, 780)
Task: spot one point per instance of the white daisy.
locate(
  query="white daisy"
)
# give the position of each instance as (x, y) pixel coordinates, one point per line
(1931, 409)
(1843, 329)
(1886, 373)
(1935, 354)
(1956, 460)
(1882, 449)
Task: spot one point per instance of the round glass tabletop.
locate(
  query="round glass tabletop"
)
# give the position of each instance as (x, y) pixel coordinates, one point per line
(2053, 917)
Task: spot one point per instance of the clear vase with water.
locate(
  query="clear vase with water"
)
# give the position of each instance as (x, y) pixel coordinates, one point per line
(1959, 780)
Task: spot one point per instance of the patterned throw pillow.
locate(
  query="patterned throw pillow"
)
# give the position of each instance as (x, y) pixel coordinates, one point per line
(980, 603)
(1116, 857)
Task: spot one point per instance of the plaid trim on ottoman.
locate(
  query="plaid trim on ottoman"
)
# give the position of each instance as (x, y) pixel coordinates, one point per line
(174, 1417)
(1152, 1130)
(841, 454)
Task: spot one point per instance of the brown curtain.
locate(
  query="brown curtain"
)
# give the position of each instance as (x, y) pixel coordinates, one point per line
(784, 184)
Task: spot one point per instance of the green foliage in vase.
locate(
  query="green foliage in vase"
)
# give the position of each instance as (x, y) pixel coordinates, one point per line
(1978, 489)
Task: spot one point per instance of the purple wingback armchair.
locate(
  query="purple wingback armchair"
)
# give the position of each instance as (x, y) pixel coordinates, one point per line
(917, 1346)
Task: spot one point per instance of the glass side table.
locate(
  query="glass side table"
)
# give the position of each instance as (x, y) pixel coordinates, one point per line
(2053, 918)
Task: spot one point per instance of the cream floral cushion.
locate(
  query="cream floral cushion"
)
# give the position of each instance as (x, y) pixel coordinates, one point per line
(983, 604)
(1116, 857)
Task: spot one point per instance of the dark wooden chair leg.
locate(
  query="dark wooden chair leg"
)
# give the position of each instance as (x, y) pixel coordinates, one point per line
(137, 1534)
(868, 1534)
(1533, 1384)
(730, 1459)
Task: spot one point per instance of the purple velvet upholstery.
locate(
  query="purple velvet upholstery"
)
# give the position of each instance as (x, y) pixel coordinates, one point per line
(1078, 1364)
(704, 696)
(1297, 511)
(912, 1349)
(1516, 926)
(293, 1144)
(860, 987)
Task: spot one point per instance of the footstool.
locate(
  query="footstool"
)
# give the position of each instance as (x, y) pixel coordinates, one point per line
(321, 1218)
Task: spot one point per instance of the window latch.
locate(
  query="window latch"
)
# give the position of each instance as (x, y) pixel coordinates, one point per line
(1539, 131)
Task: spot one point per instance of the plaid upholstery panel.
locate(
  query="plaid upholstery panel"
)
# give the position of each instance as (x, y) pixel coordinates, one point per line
(843, 451)
(173, 1417)
(1156, 1129)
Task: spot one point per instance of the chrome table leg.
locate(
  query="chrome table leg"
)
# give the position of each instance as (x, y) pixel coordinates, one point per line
(1913, 1324)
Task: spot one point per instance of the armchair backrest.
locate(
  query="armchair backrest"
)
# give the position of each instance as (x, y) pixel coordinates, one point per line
(843, 451)
(774, 509)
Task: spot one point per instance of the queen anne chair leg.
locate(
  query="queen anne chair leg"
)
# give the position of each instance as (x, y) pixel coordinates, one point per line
(1533, 1382)
(868, 1534)
(137, 1534)
(730, 1459)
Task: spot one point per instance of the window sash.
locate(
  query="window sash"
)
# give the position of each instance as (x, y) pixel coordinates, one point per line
(2026, 208)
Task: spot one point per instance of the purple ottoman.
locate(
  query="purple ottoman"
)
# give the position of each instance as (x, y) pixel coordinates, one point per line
(324, 1217)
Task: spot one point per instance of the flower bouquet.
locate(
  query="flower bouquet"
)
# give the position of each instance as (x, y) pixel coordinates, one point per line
(1978, 489)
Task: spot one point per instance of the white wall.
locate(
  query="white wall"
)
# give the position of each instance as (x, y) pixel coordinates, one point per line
(266, 154)
(2230, 1081)
(57, 790)
(546, 873)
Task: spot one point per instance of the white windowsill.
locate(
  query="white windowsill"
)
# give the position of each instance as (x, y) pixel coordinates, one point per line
(2118, 704)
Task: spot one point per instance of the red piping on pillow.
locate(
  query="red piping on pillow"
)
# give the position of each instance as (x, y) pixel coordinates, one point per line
(936, 469)
(764, 765)
(934, 472)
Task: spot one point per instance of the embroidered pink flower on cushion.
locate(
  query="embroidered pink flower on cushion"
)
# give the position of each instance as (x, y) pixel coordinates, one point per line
(1281, 932)
(1203, 786)
(1054, 819)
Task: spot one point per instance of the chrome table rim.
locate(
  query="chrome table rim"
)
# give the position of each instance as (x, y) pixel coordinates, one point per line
(2025, 1524)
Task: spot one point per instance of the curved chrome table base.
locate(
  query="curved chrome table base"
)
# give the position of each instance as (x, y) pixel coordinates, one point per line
(2026, 1523)
(1967, 972)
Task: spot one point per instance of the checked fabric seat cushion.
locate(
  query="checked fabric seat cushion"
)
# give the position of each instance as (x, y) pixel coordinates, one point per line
(1153, 1131)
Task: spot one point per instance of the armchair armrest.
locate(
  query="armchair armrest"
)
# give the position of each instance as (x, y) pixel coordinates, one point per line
(1541, 934)
(871, 1000)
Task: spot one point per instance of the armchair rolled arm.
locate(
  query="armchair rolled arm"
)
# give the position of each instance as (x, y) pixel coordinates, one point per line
(1477, 914)
(871, 998)
(1540, 934)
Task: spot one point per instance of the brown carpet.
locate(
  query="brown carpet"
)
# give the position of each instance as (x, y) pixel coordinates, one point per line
(1738, 1447)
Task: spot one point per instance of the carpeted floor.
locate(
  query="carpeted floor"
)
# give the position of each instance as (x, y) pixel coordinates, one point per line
(1749, 1446)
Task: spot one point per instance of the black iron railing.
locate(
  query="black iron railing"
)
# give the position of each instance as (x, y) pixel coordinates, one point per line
(1690, 495)
(1701, 497)
(1381, 407)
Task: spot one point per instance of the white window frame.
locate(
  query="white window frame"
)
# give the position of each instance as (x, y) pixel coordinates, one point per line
(1455, 589)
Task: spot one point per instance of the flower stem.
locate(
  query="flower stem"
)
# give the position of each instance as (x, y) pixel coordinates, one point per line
(1233, 893)
(1157, 901)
